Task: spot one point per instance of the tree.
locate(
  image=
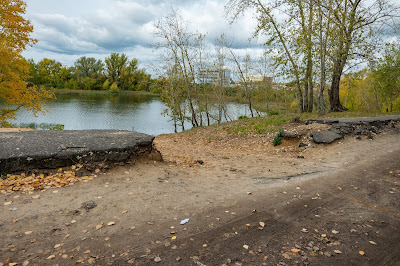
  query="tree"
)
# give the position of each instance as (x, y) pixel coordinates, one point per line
(346, 29)
(89, 73)
(14, 69)
(179, 47)
(115, 67)
(386, 76)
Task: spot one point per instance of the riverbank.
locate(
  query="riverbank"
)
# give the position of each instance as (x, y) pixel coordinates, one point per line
(69, 91)
(247, 202)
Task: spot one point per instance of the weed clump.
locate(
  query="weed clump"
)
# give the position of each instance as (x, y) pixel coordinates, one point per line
(278, 139)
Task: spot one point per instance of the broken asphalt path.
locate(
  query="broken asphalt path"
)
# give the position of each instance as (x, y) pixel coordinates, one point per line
(23, 151)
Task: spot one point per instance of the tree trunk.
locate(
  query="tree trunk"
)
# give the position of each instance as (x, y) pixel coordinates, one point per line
(334, 99)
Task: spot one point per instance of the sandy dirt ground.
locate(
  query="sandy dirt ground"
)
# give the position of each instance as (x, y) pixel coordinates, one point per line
(248, 203)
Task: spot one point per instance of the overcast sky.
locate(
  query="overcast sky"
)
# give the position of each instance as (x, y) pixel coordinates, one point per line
(67, 30)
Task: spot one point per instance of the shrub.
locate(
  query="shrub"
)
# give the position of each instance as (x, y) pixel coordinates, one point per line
(106, 85)
(278, 139)
(273, 112)
(242, 117)
(114, 88)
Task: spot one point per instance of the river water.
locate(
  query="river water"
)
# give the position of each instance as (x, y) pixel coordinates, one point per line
(134, 112)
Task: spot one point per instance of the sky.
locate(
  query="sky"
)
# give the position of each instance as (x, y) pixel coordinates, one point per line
(67, 30)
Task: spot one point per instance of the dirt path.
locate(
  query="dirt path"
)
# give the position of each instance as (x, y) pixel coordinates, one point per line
(322, 209)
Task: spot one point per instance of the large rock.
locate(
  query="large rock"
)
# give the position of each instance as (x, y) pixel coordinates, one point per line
(22, 151)
(325, 136)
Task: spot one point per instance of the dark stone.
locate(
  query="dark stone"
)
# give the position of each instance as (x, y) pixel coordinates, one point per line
(335, 130)
(89, 205)
(200, 162)
(296, 120)
(300, 157)
(325, 136)
(358, 137)
(288, 135)
(46, 149)
(301, 145)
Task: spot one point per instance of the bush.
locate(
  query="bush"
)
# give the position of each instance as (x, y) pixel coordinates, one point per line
(114, 88)
(106, 85)
(278, 139)
(273, 112)
(242, 117)
(294, 106)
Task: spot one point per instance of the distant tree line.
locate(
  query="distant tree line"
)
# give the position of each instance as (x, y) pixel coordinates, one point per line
(116, 73)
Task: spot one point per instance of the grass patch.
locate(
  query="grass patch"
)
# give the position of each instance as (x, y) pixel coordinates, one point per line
(274, 122)
(257, 125)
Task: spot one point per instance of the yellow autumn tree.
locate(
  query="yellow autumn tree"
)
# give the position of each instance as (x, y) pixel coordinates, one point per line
(14, 37)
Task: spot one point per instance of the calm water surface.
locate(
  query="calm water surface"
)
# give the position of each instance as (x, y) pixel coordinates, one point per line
(142, 113)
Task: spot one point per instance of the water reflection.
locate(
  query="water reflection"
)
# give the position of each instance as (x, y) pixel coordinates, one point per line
(135, 112)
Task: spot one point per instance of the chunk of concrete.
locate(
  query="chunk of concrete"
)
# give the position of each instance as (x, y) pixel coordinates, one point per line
(325, 136)
(23, 151)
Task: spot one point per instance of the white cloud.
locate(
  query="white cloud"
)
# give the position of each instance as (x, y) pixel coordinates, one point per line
(68, 30)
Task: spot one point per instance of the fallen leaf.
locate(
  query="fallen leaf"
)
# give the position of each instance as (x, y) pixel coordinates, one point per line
(246, 247)
(262, 224)
(36, 197)
(133, 227)
(335, 232)
(157, 259)
(248, 225)
(295, 250)
(7, 203)
(73, 221)
(50, 257)
(100, 225)
(107, 238)
(66, 236)
(123, 212)
(25, 263)
(84, 231)
(28, 232)
(323, 235)
(337, 251)
(111, 223)
(173, 238)
(205, 245)
(362, 253)
(339, 188)
(65, 256)
(372, 242)
(91, 261)
(304, 230)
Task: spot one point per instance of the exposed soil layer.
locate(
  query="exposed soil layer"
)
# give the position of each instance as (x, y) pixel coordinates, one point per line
(248, 203)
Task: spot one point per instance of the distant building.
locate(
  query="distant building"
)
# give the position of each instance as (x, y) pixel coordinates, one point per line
(260, 79)
(220, 77)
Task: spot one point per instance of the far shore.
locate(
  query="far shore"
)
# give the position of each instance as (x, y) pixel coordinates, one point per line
(70, 91)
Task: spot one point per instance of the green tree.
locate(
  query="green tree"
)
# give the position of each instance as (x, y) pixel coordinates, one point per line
(89, 73)
(386, 75)
(116, 66)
